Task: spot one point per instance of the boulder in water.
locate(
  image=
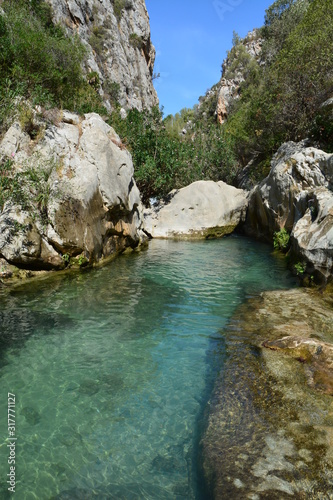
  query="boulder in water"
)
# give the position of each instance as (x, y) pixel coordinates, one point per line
(204, 209)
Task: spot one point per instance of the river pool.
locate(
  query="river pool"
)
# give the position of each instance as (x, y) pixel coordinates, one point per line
(111, 368)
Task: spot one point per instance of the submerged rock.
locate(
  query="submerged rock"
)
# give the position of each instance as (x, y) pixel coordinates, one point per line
(89, 387)
(131, 491)
(269, 430)
(316, 355)
(31, 415)
(79, 494)
(204, 209)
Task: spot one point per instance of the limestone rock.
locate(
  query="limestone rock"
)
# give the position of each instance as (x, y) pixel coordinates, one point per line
(312, 235)
(90, 203)
(282, 198)
(227, 93)
(117, 37)
(297, 196)
(305, 333)
(201, 210)
(227, 90)
(22, 244)
(13, 141)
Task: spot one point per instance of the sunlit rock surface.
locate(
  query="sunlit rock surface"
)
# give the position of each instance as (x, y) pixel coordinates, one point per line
(88, 206)
(297, 195)
(117, 37)
(204, 209)
(270, 417)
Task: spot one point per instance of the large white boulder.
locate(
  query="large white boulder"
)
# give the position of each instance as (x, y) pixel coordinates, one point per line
(84, 200)
(201, 210)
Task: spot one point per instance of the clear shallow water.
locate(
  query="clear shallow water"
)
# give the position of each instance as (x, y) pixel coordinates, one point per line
(112, 368)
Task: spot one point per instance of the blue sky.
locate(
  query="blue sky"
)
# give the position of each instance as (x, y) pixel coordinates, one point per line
(191, 38)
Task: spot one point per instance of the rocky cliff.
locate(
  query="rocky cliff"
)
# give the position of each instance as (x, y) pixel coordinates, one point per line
(229, 85)
(121, 55)
(219, 98)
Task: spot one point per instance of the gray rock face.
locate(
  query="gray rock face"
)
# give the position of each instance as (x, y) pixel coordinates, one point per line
(297, 195)
(312, 236)
(117, 36)
(201, 210)
(228, 88)
(82, 201)
(22, 244)
(228, 91)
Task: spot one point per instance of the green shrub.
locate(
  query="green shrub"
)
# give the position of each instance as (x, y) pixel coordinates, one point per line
(27, 121)
(280, 20)
(322, 128)
(5, 180)
(28, 187)
(39, 54)
(82, 261)
(164, 160)
(113, 90)
(10, 92)
(239, 60)
(280, 101)
(281, 240)
(96, 39)
(66, 259)
(39, 62)
(300, 268)
(119, 6)
(136, 41)
(94, 80)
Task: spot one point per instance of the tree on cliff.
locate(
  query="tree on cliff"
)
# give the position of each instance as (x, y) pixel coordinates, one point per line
(283, 103)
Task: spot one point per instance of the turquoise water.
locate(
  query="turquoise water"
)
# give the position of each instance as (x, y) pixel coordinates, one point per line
(112, 368)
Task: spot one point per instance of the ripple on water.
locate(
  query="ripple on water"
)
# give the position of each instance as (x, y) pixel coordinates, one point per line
(112, 368)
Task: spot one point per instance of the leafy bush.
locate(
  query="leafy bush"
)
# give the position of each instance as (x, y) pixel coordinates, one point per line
(281, 240)
(96, 39)
(5, 180)
(175, 124)
(119, 6)
(39, 62)
(136, 41)
(280, 20)
(300, 268)
(239, 60)
(94, 80)
(322, 127)
(38, 54)
(28, 187)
